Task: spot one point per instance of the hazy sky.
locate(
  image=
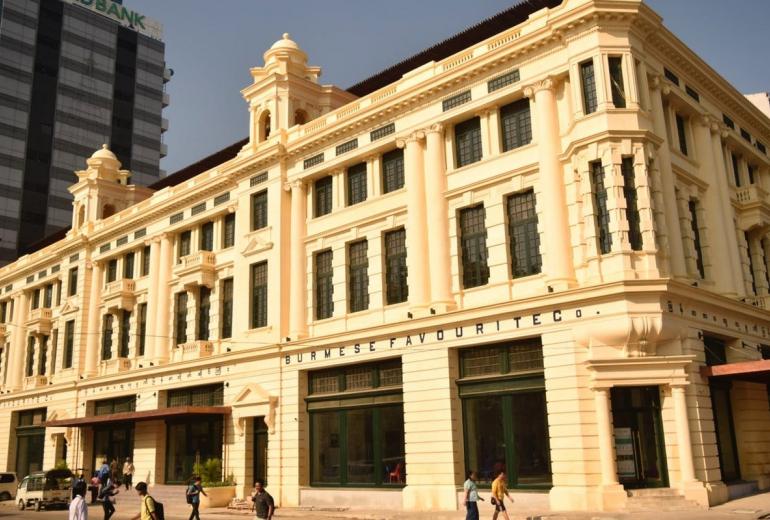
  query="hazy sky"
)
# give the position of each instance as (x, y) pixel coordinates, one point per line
(211, 45)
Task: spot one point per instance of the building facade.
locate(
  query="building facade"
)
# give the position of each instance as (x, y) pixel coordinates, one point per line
(73, 74)
(541, 249)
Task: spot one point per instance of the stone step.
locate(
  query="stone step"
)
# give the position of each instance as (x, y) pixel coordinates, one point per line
(653, 503)
(654, 492)
(742, 489)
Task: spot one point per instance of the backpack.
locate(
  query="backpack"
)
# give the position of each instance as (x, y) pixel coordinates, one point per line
(104, 472)
(189, 497)
(159, 513)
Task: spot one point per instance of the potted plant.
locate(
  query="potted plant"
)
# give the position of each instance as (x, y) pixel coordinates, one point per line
(220, 490)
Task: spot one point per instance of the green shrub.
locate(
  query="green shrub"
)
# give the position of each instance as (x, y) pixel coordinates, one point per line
(210, 472)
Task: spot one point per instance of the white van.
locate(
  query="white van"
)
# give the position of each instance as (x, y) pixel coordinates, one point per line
(8, 486)
(45, 489)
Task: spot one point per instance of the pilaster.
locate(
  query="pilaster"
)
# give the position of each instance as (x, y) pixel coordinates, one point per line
(298, 261)
(94, 319)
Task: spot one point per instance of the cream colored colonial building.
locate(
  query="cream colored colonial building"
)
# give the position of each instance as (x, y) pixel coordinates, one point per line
(542, 250)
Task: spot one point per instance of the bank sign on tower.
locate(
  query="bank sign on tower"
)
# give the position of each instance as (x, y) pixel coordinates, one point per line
(123, 15)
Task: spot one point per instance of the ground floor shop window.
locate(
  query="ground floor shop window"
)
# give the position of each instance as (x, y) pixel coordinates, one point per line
(504, 413)
(189, 442)
(30, 441)
(357, 426)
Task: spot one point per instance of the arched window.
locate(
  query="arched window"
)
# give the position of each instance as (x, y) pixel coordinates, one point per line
(81, 216)
(300, 117)
(108, 210)
(264, 126)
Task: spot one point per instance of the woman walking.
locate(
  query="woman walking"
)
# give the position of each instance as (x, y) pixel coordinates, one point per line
(471, 497)
(128, 472)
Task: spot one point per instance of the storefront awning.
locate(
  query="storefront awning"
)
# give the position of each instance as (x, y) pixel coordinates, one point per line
(146, 415)
(752, 371)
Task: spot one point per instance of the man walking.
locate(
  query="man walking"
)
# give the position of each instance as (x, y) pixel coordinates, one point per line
(263, 502)
(194, 491)
(128, 472)
(108, 499)
(78, 507)
(499, 493)
(147, 509)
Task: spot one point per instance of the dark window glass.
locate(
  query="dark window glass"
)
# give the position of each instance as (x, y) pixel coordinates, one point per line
(48, 298)
(473, 244)
(145, 261)
(58, 293)
(227, 308)
(468, 142)
(72, 282)
(632, 210)
(588, 81)
(600, 207)
(116, 405)
(207, 237)
(749, 253)
(356, 184)
(736, 170)
(393, 171)
(112, 270)
(750, 169)
(30, 368)
(324, 289)
(358, 276)
(36, 298)
(181, 318)
(142, 326)
(516, 123)
(107, 337)
(681, 132)
(456, 101)
(397, 290)
(185, 243)
(208, 395)
(259, 210)
(128, 265)
(125, 333)
(616, 82)
(42, 356)
(259, 295)
(693, 206)
(204, 312)
(523, 235)
(228, 237)
(323, 196)
(69, 343)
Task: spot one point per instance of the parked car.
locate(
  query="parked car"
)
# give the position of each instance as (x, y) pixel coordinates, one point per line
(8, 484)
(45, 489)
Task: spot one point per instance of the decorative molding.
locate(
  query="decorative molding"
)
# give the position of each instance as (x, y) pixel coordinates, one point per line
(543, 84)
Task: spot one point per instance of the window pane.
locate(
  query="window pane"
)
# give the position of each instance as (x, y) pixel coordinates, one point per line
(128, 266)
(259, 295)
(395, 267)
(204, 308)
(393, 458)
(323, 196)
(393, 170)
(523, 357)
(589, 86)
(391, 375)
(616, 82)
(207, 237)
(681, 134)
(484, 436)
(259, 210)
(359, 378)
(693, 206)
(227, 308)
(184, 243)
(106, 337)
(523, 235)
(356, 184)
(473, 243)
(480, 361)
(600, 207)
(146, 261)
(181, 317)
(360, 445)
(125, 336)
(516, 124)
(468, 141)
(324, 383)
(228, 239)
(531, 441)
(358, 277)
(325, 447)
(323, 286)
(632, 211)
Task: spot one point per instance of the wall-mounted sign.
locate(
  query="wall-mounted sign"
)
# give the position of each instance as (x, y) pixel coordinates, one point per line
(124, 16)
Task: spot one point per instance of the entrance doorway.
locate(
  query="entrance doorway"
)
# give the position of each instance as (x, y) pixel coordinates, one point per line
(260, 450)
(639, 445)
(190, 442)
(113, 442)
(30, 441)
(725, 430)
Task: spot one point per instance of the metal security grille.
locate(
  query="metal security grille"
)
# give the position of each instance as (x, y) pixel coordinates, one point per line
(204, 312)
(207, 237)
(185, 239)
(198, 209)
(117, 405)
(227, 308)
(393, 170)
(146, 261)
(121, 241)
(397, 289)
(456, 101)
(324, 289)
(228, 239)
(588, 81)
(74, 258)
(259, 295)
(346, 147)
(178, 217)
(523, 235)
(516, 357)
(502, 81)
(104, 248)
(616, 81)
(323, 196)
(632, 210)
(181, 318)
(107, 337)
(516, 123)
(358, 378)
(468, 141)
(600, 207)
(693, 207)
(355, 378)
(358, 275)
(69, 343)
(128, 265)
(312, 161)
(258, 179)
(125, 333)
(209, 395)
(480, 362)
(391, 375)
(525, 357)
(473, 243)
(324, 383)
(221, 199)
(142, 327)
(356, 184)
(381, 132)
(259, 210)
(681, 132)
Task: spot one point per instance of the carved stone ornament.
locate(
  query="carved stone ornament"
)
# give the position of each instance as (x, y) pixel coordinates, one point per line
(536, 86)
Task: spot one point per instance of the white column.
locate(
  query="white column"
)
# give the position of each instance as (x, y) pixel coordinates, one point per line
(604, 431)
(152, 299)
(416, 219)
(162, 338)
(298, 266)
(686, 467)
(93, 327)
(16, 368)
(559, 269)
(438, 220)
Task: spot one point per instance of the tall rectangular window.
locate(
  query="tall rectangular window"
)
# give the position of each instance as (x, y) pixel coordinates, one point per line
(128, 265)
(473, 244)
(324, 288)
(228, 235)
(48, 299)
(58, 293)
(736, 170)
(180, 319)
(69, 344)
(36, 298)
(42, 358)
(397, 289)
(259, 210)
(125, 333)
(356, 181)
(4, 312)
(750, 170)
(616, 81)
(632, 209)
(112, 270)
(468, 142)
(185, 243)
(393, 170)
(358, 276)
(107, 337)
(322, 191)
(204, 312)
(523, 235)
(751, 262)
(72, 282)
(207, 237)
(227, 308)
(693, 206)
(681, 132)
(30, 368)
(588, 82)
(142, 327)
(600, 207)
(516, 124)
(54, 348)
(259, 295)
(146, 261)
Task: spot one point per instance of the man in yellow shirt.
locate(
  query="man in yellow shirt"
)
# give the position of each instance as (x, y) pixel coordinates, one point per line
(499, 492)
(147, 509)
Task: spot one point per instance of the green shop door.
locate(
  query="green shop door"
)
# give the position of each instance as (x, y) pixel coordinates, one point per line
(639, 448)
(190, 442)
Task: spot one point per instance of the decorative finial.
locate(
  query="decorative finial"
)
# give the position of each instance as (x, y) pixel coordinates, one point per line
(104, 146)
(285, 36)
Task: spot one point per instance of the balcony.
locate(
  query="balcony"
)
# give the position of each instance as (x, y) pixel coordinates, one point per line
(35, 382)
(39, 321)
(196, 269)
(119, 295)
(753, 207)
(762, 302)
(193, 350)
(114, 366)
